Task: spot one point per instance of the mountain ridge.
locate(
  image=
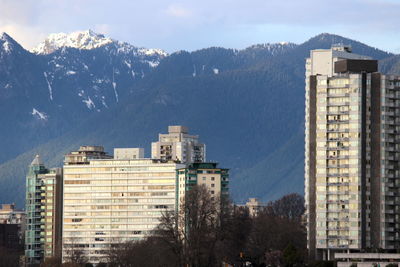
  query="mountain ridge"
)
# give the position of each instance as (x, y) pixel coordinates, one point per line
(246, 105)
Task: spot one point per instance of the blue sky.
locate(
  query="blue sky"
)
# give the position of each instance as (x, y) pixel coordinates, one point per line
(194, 24)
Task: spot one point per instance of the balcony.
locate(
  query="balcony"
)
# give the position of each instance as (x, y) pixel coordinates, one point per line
(339, 139)
(337, 192)
(338, 157)
(338, 112)
(339, 166)
(338, 228)
(336, 104)
(338, 130)
(338, 121)
(338, 94)
(389, 211)
(338, 184)
(338, 201)
(338, 175)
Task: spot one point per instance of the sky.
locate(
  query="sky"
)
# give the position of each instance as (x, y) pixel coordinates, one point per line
(194, 24)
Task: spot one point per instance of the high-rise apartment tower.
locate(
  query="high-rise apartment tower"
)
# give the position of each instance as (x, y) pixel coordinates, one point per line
(351, 154)
(43, 212)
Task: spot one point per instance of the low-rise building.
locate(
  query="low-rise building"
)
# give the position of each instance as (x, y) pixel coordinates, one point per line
(254, 206)
(205, 173)
(367, 259)
(10, 215)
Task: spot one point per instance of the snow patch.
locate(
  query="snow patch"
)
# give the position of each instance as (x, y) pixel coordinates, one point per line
(103, 101)
(39, 115)
(194, 71)
(128, 64)
(114, 84)
(153, 52)
(71, 72)
(7, 47)
(49, 86)
(153, 64)
(89, 103)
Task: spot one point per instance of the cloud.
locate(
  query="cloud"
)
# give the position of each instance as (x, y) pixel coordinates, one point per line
(102, 28)
(28, 37)
(178, 11)
(159, 23)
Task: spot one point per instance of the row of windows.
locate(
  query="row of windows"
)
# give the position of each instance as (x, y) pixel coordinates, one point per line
(120, 201)
(147, 225)
(71, 234)
(119, 175)
(337, 233)
(111, 220)
(98, 187)
(72, 169)
(108, 195)
(337, 197)
(112, 213)
(116, 207)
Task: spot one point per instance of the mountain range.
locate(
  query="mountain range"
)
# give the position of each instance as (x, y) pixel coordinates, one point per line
(84, 88)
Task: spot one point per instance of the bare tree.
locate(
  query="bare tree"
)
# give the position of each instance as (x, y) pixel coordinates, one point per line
(192, 232)
(289, 206)
(74, 255)
(147, 252)
(205, 231)
(276, 228)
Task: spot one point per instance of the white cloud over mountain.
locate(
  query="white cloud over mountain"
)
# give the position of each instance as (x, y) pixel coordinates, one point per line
(190, 24)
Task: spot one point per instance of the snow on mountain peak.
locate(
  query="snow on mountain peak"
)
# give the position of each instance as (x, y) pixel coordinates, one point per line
(90, 40)
(79, 39)
(153, 52)
(6, 42)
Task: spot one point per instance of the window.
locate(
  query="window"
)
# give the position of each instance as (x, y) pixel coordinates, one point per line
(212, 192)
(212, 178)
(212, 185)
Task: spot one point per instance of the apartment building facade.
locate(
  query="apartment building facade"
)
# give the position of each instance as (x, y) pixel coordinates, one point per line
(112, 200)
(215, 179)
(43, 212)
(10, 215)
(351, 159)
(179, 145)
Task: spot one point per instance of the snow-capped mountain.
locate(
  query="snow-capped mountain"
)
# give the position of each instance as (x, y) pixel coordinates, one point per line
(119, 95)
(5, 42)
(273, 48)
(79, 40)
(65, 79)
(8, 45)
(87, 40)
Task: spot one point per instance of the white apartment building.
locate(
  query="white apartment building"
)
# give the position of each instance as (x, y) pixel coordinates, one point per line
(179, 145)
(110, 201)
